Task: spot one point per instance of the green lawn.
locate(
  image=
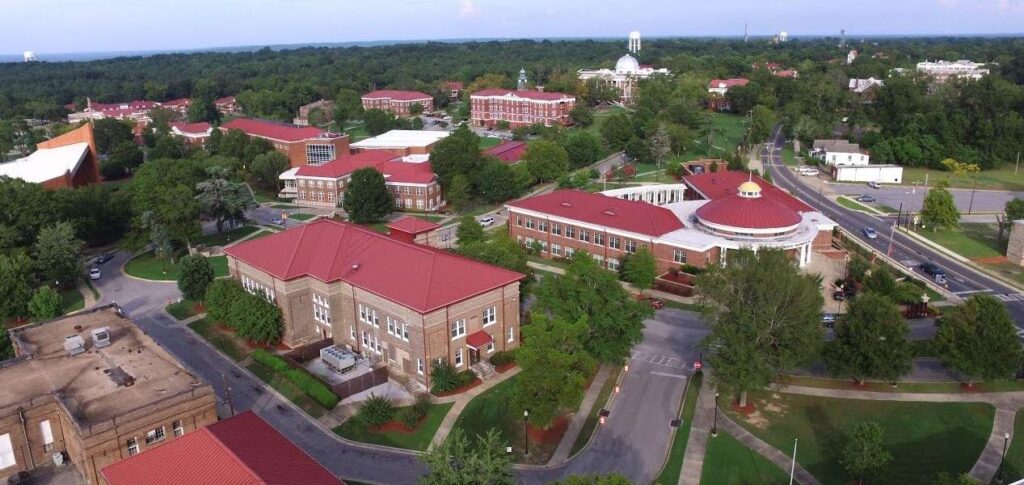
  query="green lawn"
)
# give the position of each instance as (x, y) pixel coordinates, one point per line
(301, 216)
(381, 227)
(729, 462)
(182, 310)
(357, 132)
(924, 438)
(970, 240)
(287, 389)
(690, 307)
(282, 206)
(674, 465)
(226, 237)
(915, 387)
(226, 342)
(262, 233)
(922, 348)
(599, 118)
(788, 157)
(854, 205)
(427, 217)
(1013, 467)
(488, 142)
(95, 292)
(996, 179)
(357, 430)
(592, 418)
(71, 300)
(149, 267)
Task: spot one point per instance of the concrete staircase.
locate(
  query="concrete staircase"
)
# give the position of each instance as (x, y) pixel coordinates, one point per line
(484, 370)
(411, 384)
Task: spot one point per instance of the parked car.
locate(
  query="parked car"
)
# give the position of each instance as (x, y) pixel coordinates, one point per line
(838, 295)
(95, 274)
(278, 221)
(813, 172)
(870, 233)
(932, 270)
(865, 198)
(103, 258)
(874, 185)
(828, 320)
(486, 221)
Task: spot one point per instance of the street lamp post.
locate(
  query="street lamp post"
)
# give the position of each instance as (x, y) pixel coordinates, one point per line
(526, 434)
(973, 189)
(714, 428)
(999, 472)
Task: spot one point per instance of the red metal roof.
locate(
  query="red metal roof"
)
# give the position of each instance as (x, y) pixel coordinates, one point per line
(225, 100)
(728, 83)
(612, 212)
(240, 450)
(346, 164)
(453, 85)
(193, 128)
(748, 213)
(479, 339)
(418, 277)
(397, 171)
(534, 95)
(717, 185)
(273, 130)
(787, 73)
(177, 102)
(413, 225)
(508, 151)
(397, 94)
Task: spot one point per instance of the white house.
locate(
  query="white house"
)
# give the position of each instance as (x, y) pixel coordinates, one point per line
(859, 86)
(839, 152)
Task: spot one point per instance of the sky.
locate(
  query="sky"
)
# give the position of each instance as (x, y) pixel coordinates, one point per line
(71, 26)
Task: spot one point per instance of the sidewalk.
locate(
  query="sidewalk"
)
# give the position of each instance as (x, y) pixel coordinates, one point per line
(461, 400)
(700, 432)
(86, 292)
(773, 454)
(579, 418)
(651, 292)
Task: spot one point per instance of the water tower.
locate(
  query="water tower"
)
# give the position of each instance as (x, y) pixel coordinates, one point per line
(634, 42)
(30, 56)
(783, 36)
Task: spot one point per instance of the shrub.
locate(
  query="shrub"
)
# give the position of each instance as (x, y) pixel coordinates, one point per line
(220, 296)
(502, 358)
(691, 269)
(270, 360)
(377, 410)
(422, 405)
(312, 387)
(45, 303)
(445, 377)
(408, 417)
(256, 319)
(196, 277)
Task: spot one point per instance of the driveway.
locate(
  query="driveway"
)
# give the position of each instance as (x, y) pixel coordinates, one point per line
(636, 437)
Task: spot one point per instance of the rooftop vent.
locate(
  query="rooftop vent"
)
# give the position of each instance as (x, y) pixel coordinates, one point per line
(120, 377)
(74, 344)
(355, 265)
(609, 212)
(566, 203)
(101, 337)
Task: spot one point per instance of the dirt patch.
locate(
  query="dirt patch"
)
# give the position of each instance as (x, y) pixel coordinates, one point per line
(991, 260)
(551, 435)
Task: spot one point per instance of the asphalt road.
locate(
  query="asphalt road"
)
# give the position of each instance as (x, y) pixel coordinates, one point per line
(962, 281)
(912, 197)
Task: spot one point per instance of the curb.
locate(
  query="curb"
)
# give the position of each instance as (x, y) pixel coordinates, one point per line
(967, 263)
(136, 278)
(675, 431)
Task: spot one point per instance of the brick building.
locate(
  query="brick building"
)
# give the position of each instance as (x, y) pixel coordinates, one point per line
(243, 449)
(227, 105)
(66, 392)
(520, 108)
(67, 161)
(695, 223)
(193, 134)
(303, 145)
(509, 151)
(397, 102)
(397, 302)
(324, 106)
(719, 88)
(411, 180)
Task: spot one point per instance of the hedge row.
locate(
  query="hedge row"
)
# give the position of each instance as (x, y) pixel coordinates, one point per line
(308, 384)
(503, 357)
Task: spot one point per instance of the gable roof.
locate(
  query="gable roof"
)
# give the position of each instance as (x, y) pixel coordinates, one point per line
(412, 225)
(613, 212)
(346, 164)
(243, 449)
(728, 83)
(722, 184)
(397, 94)
(273, 130)
(510, 151)
(415, 276)
(527, 94)
(200, 128)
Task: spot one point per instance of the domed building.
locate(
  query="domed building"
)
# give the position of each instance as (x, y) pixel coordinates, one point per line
(628, 71)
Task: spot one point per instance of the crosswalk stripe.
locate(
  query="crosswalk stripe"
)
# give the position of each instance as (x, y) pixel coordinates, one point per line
(1013, 297)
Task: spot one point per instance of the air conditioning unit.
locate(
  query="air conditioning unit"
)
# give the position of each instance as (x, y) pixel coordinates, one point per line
(337, 358)
(74, 344)
(101, 337)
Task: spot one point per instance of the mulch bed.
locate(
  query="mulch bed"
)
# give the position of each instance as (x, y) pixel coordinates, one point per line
(991, 260)
(501, 369)
(748, 409)
(476, 382)
(552, 434)
(395, 427)
(198, 308)
(969, 388)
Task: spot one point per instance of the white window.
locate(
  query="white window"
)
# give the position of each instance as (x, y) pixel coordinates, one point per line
(490, 316)
(679, 256)
(511, 334)
(47, 433)
(458, 357)
(133, 447)
(614, 243)
(363, 314)
(321, 309)
(556, 249)
(490, 348)
(613, 264)
(352, 331)
(569, 252)
(459, 329)
(599, 239)
(391, 325)
(570, 232)
(529, 223)
(179, 428)
(419, 366)
(542, 226)
(155, 435)
(6, 451)
(404, 329)
(556, 229)
(630, 246)
(584, 235)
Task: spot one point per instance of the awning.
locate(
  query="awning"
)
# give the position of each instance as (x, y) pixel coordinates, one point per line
(478, 340)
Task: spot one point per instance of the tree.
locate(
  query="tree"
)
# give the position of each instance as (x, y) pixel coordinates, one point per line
(267, 168)
(582, 115)
(939, 210)
(979, 340)
(367, 198)
(16, 285)
(256, 320)
(554, 368)
(376, 410)
(378, 121)
(223, 200)
(590, 293)
(167, 146)
(161, 120)
(546, 160)
(6, 349)
(347, 105)
(617, 131)
(458, 192)
(501, 250)
(203, 109)
(764, 315)
(127, 154)
(762, 120)
(583, 148)
(469, 231)
(196, 277)
(45, 303)
(458, 460)
(871, 341)
(1015, 209)
(659, 144)
(233, 144)
(58, 254)
(864, 455)
(456, 154)
(640, 269)
(109, 132)
(495, 182)
(415, 109)
(220, 296)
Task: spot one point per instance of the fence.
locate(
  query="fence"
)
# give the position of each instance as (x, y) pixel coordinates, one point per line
(359, 384)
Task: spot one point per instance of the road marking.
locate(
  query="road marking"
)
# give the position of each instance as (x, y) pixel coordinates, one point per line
(1013, 297)
(909, 262)
(968, 292)
(665, 374)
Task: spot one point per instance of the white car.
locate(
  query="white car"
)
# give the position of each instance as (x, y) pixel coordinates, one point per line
(486, 221)
(95, 274)
(812, 172)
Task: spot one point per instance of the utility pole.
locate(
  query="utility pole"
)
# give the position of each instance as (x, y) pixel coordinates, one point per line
(227, 394)
(1017, 166)
(792, 466)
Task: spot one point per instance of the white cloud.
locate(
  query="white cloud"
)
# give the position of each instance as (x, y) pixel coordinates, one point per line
(468, 8)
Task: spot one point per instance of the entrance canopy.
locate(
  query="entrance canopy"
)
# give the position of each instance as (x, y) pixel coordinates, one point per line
(478, 340)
